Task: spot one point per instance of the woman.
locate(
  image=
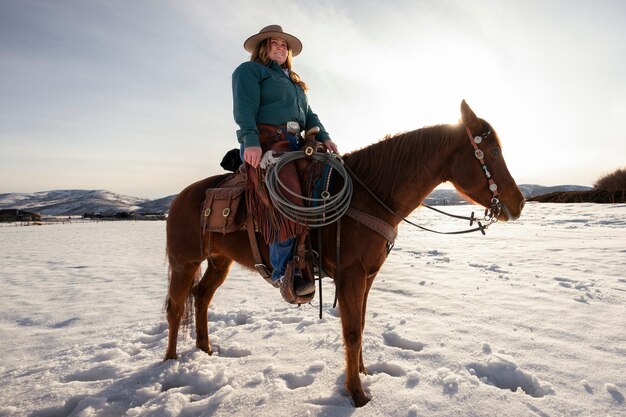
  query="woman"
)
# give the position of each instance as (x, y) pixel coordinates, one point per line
(267, 94)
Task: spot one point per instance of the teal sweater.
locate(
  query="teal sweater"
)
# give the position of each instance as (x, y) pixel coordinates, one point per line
(266, 95)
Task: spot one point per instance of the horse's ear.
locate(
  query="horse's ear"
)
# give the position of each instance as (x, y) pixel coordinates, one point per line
(468, 117)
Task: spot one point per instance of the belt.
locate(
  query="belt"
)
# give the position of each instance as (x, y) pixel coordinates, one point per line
(269, 134)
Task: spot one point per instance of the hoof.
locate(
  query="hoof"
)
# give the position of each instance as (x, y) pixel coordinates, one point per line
(205, 348)
(170, 358)
(360, 400)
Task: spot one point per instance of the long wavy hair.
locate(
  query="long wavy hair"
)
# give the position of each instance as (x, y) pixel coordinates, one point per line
(261, 55)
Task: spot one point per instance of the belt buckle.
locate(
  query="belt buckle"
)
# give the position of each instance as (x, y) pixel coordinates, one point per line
(293, 127)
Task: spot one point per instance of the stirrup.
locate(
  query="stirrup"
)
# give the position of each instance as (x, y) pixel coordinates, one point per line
(304, 287)
(294, 289)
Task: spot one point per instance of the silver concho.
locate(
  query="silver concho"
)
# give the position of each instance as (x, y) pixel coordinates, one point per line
(493, 187)
(479, 154)
(478, 139)
(293, 127)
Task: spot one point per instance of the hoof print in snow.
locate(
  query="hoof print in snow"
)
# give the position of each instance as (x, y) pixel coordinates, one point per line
(234, 352)
(503, 373)
(155, 330)
(388, 368)
(395, 340)
(304, 379)
(98, 373)
(587, 386)
(613, 391)
(577, 285)
(295, 381)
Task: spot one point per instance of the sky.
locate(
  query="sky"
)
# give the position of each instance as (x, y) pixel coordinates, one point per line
(135, 97)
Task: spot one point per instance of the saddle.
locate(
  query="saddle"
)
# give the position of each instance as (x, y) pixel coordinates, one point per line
(225, 210)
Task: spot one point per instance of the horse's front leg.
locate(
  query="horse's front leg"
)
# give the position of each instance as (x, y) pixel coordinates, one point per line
(351, 295)
(369, 282)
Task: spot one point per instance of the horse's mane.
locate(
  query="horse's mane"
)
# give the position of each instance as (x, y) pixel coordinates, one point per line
(379, 164)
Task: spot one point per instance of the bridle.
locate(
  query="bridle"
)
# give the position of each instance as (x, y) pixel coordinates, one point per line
(496, 206)
(491, 213)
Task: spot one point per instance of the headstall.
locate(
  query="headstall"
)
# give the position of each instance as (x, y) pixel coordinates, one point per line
(491, 214)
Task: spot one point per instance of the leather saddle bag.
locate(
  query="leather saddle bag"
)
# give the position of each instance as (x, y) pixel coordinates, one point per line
(224, 207)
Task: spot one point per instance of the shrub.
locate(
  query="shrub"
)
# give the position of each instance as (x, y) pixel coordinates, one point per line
(614, 181)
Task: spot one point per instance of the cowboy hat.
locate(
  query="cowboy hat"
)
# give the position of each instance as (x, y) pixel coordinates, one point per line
(273, 31)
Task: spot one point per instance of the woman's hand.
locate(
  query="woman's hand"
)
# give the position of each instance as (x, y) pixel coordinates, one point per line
(252, 156)
(330, 145)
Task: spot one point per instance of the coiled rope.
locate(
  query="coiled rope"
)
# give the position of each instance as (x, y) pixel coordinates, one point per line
(316, 212)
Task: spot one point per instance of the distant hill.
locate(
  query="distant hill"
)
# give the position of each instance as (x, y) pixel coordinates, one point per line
(78, 202)
(452, 197)
(71, 202)
(161, 205)
(445, 197)
(533, 190)
(588, 196)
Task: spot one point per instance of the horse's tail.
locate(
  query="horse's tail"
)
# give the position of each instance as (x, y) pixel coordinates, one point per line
(190, 305)
(183, 224)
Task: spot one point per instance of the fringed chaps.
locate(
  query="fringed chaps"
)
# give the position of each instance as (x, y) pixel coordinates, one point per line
(272, 224)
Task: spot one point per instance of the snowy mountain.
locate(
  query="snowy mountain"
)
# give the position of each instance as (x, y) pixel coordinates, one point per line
(71, 202)
(160, 205)
(533, 190)
(452, 197)
(78, 202)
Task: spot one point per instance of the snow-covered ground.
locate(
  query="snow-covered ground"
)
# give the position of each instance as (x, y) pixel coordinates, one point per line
(529, 320)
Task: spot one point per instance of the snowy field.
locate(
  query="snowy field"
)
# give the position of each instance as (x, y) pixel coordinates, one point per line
(529, 320)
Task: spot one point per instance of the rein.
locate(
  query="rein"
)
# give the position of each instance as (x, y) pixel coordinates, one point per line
(491, 213)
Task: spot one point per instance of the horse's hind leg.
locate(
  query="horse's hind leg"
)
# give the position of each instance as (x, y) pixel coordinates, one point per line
(203, 293)
(181, 281)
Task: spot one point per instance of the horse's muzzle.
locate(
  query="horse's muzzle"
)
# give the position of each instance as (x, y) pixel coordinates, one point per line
(506, 215)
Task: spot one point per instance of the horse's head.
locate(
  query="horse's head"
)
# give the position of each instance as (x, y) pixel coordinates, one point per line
(478, 169)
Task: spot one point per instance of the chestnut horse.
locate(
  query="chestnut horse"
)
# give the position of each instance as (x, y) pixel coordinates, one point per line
(401, 170)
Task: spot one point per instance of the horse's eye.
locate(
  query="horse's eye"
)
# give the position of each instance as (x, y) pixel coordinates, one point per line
(495, 152)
